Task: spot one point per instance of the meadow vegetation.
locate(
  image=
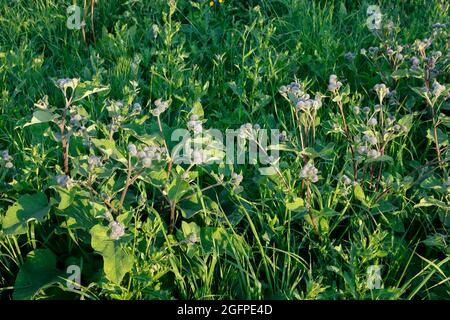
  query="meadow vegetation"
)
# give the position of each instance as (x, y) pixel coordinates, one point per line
(89, 181)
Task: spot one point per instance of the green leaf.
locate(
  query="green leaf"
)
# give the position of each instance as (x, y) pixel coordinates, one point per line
(235, 88)
(40, 116)
(400, 73)
(383, 207)
(405, 73)
(189, 228)
(407, 121)
(108, 147)
(430, 202)
(177, 188)
(359, 194)
(219, 240)
(326, 153)
(195, 204)
(66, 197)
(136, 129)
(197, 109)
(27, 208)
(38, 272)
(383, 158)
(267, 171)
(116, 262)
(86, 89)
(445, 120)
(436, 240)
(295, 204)
(441, 137)
(82, 213)
(395, 223)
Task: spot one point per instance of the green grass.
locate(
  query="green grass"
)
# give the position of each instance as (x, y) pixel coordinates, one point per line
(272, 237)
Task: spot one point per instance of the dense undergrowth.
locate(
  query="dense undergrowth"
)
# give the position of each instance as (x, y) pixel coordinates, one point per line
(89, 178)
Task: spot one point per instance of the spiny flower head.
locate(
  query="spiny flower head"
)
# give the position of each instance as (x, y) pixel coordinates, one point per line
(147, 154)
(374, 50)
(346, 180)
(161, 106)
(94, 161)
(136, 108)
(381, 90)
(438, 25)
(117, 230)
(65, 83)
(195, 124)
(438, 89)
(64, 181)
(333, 83)
(76, 119)
(349, 56)
(373, 153)
(236, 179)
(307, 105)
(132, 150)
(362, 150)
(421, 45)
(372, 122)
(7, 159)
(309, 172)
(5, 155)
(415, 61)
(155, 30)
(146, 162)
(115, 109)
(390, 120)
(370, 139)
(293, 87)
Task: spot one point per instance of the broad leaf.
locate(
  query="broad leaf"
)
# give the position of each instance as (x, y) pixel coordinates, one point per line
(38, 272)
(27, 208)
(40, 116)
(108, 147)
(359, 194)
(116, 262)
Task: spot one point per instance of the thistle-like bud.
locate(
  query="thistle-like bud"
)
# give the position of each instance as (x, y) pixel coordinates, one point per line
(132, 150)
(309, 172)
(236, 179)
(117, 230)
(372, 122)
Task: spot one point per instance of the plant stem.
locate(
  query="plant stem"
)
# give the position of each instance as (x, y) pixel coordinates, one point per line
(347, 134)
(92, 20)
(64, 141)
(308, 202)
(127, 185)
(172, 215)
(433, 115)
(165, 145)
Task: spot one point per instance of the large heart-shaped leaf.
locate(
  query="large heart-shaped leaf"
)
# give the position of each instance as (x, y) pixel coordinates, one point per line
(38, 272)
(27, 208)
(40, 116)
(116, 262)
(81, 213)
